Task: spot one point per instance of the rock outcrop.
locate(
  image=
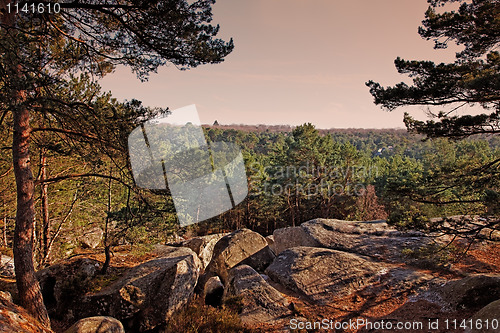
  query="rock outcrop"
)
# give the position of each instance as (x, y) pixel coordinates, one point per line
(150, 292)
(61, 284)
(240, 247)
(487, 320)
(319, 274)
(91, 238)
(472, 292)
(375, 238)
(261, 302)
(96, 325)
(203, 246)
(14, 319)
(7, 268)
(213, 291)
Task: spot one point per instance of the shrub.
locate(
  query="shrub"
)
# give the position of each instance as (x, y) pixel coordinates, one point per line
(197, 317)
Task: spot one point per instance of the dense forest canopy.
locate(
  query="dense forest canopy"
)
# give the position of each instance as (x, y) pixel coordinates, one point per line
(293, 175)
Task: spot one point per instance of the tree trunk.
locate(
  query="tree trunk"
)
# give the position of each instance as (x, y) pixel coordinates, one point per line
(27, 284)
(45, 237)
(30, 295)
(5, 231)
(107, 247)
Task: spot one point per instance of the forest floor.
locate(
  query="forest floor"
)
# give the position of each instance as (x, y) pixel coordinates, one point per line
(396, 306)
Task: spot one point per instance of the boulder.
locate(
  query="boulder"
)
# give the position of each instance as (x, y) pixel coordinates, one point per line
(270, 243)
(373, 238)
(472, 292)
(286, 238)
(91, 238)
(149, 293)
(203, 246)
(7, 266)
(489, 314)
(62, 284)
(96, 325)
(240, 247)
(5, 295)
(213, 291)
(261, 302)
(14, 319)
(320, 274)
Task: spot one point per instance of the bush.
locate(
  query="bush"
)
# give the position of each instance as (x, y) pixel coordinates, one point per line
(197, 317)
(431, 256)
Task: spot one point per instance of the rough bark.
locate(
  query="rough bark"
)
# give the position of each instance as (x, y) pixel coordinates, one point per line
(30, 295)
(27, 284)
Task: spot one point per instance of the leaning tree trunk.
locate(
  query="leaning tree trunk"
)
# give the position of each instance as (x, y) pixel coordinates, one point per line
(30, 295)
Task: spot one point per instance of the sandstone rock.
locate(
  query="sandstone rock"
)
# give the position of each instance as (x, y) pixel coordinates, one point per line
(270, 243)
(286, 238)
(203, 246)
(6, 296)
(472, 292)
(213, 291)
(62, 283)
(261, 302)
(92, 238)
(374, 238)
(96, 325)
(14, 319)
(7, 266)
(319, 274)
(240, 247)
(150, 292)
(489, 314)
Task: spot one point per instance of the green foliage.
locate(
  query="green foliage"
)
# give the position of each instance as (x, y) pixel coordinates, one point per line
(464, 178)
(306, 162)
(472, 79)
(408, 217)
(430, 256)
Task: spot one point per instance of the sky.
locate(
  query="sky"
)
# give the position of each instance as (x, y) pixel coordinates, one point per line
(295, 61)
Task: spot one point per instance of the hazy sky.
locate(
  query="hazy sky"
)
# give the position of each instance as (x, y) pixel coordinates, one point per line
(295, 61)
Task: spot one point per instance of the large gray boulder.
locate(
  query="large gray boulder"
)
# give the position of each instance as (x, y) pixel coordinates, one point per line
(240, 247)
(203, 246)
(373, 238)
(63, 283)
(7, 268)
(487, 320)
(213, 291)
(261, 302)
(91, 238)
(15, 319)
(320, 274)
(149, 293)
(99, 324)
(286, 238)
(472, 292)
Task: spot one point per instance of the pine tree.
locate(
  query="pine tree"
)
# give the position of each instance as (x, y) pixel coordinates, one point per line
(41, 50)
(474, 77)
